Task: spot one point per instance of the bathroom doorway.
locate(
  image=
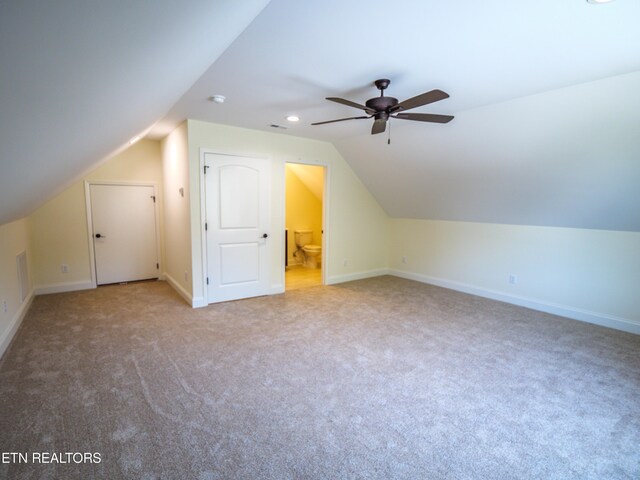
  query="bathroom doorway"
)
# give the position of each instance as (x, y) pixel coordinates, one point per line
(304, 222)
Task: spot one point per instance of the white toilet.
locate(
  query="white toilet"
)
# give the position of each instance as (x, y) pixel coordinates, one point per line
(312, 253)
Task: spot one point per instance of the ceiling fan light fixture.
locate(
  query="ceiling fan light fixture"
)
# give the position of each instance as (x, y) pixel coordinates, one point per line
(293, 118)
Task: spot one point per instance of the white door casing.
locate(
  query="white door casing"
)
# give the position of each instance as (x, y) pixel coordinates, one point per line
(124, 234)
(238, 220)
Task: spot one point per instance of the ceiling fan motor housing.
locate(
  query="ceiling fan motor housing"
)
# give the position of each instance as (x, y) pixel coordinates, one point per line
(381, 104)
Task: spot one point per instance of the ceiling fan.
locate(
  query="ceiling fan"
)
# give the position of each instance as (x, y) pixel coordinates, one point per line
(383, 108)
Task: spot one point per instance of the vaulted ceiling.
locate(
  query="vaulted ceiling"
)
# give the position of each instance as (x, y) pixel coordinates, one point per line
(546, 96)
(79, 79)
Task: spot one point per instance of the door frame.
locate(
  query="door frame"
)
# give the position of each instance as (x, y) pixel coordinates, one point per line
(278, 212)
(87, 196)
(326, 232)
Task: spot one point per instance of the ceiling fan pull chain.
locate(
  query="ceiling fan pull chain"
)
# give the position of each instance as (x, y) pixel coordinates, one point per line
(389, 138)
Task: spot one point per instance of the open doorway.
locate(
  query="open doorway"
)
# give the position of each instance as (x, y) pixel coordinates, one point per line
(304, 214)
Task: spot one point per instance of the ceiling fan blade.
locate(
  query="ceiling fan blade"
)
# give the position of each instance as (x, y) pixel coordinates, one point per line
(349, 103)
(340, 120)
(425, 117)
(379, 126)
(419, 100)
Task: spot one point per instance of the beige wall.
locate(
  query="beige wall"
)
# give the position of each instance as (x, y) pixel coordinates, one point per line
(59, 227)
(14, 239)
(356, 230)
(591, 275)
(303, 207)
(59, 236)
(177, 238)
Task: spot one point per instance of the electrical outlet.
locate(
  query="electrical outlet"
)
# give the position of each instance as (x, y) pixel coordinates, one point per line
(64, 268)
(404, 259)
(4, 306)
(345, 262)
(513, 279)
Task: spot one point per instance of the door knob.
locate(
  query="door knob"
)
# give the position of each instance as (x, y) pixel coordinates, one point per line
(264, 235)
(98, 235)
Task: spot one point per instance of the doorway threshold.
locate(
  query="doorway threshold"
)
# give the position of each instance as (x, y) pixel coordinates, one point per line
(298, 276)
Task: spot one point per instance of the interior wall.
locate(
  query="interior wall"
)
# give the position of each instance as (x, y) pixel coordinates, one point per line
(177, 236)
(59, 227)
(303, 208)
(590, 275)
(356, 230)
(59, 236)
(14, 239)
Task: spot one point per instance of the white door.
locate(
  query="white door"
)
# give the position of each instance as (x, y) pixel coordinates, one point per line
(237, 199)
(124, 232)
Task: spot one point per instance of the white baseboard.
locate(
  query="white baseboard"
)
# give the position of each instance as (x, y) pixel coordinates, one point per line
(199, 302)
(349, 277)
(63, 287)
(603, 319)
(14, 324)
(179, 288)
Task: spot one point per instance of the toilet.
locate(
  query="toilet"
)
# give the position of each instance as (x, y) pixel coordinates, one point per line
(312, 253)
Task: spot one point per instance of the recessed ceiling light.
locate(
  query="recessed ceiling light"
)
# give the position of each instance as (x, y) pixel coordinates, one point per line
(218, 98)
(599, 1)
(293, 118)
(134, 139)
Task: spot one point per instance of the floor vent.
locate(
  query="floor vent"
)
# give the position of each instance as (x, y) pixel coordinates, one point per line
(23, 275)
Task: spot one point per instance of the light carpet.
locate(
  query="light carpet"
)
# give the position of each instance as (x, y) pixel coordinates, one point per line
(382, 378)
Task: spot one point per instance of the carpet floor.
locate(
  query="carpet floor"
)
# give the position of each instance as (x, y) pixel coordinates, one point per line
(382, 378)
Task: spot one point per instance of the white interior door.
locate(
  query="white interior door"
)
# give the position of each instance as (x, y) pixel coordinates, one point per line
(237, 198)
(124, 232)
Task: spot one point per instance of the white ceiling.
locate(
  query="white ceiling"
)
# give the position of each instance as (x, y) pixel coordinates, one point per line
(79, 79)
(569, 157)
(544, 94)
(533, 142)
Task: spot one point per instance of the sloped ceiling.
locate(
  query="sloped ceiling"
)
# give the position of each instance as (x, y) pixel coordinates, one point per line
(545, 94)
(568, 158)
(311, 176)
(79, 79)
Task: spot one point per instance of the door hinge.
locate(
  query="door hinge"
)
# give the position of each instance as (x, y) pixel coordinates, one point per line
(205, 169)
(207, 280)
(154, 198)
(157, 266)
(206, 226)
